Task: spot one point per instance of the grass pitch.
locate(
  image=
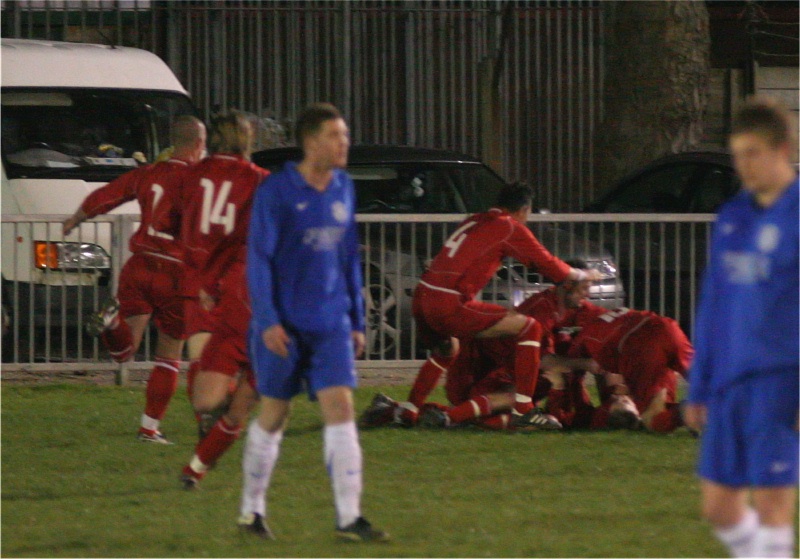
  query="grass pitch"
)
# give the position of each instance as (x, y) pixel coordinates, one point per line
(76, 483)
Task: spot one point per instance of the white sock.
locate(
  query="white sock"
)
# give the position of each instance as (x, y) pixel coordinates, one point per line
(261, 452)
(343, 461)
(739, 537)
(150, 423)
(773, 541)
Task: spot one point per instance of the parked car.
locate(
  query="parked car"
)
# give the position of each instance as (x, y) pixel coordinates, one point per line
(408, 180)
(662, 263)
(691, 182)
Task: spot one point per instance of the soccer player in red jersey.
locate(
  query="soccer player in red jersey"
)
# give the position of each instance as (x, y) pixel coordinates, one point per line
(216, 201)
(444, 303)
(478, 383)
(648, 351)
(148, 283)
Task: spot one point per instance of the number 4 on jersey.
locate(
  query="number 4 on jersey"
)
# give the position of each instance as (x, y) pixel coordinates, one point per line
(213, 205)
(458, 236)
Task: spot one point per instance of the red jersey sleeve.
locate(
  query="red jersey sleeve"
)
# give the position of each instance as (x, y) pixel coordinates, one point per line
(117, 192)
(526, 248)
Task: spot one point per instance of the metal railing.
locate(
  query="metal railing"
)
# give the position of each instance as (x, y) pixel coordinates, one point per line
(657, 261)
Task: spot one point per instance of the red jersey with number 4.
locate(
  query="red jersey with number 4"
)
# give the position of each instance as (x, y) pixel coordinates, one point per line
(474, 252)
(216, 199)
(153, 187)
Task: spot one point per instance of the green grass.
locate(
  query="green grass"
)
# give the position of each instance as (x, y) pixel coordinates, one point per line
(76, 483)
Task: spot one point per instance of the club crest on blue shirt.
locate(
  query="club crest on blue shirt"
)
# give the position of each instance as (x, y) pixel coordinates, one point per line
(768, 238)
(339, 211)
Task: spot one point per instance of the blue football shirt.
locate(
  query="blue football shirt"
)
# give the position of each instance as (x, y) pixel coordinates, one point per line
(749, 311)
(303, 263)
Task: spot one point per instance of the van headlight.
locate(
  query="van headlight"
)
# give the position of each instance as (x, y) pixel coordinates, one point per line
(607, 268)
(70, 256)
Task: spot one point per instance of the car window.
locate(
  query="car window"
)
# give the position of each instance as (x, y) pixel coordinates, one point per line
(660, 190)
(478, 186)
(714, 186)
(405, 188)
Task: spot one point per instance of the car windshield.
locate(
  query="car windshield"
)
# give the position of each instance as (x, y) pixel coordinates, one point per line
(424, 187)
(82, 133)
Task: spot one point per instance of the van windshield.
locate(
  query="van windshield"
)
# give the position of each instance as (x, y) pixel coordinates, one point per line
(89, 134)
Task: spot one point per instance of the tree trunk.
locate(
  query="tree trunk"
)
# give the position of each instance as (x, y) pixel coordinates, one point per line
(656, 83)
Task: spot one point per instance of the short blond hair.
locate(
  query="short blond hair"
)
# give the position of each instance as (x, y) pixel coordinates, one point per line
(231, 132)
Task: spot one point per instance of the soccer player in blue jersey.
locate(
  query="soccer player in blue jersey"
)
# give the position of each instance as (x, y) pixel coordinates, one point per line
(743, 382)
(304, 278)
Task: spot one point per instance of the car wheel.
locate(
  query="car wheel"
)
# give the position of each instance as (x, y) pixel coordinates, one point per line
(380, 301)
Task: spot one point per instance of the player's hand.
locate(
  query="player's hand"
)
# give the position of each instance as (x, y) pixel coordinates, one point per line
(594, 367)
(70, 223)
(277, 340)
(593, 275)
(359, 343)
(206, 301)
(694, 416)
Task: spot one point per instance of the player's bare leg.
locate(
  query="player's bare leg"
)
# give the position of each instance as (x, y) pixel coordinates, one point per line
(776, 508)
(735, 523)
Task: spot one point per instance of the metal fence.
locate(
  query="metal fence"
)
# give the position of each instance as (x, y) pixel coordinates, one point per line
(515, 83)
(656, 260)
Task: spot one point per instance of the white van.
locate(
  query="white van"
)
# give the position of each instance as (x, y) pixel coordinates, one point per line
(74, 116)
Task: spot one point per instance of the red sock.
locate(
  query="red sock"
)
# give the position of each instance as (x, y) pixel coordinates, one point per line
(214, 445)
(161, 386)
(667, 421)
(427, 377)
(477, 407)
(526, 364)
(498, 422)
(119, 341)
(558, 404)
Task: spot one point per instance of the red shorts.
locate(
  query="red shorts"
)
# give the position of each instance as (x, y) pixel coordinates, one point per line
(149, 284)
(442, 314)
(460, 388)
(197, 318)
(226, 351)
(649, 358)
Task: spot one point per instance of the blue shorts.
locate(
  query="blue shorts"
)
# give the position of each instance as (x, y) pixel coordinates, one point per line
(750, 439)
(316, 360)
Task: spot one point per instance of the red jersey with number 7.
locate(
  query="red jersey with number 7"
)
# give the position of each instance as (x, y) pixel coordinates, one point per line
(153, 187)
(216, 199)
(475, 250)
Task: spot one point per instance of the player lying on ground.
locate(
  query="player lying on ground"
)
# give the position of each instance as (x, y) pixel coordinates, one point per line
(479, 384)
(444, 304)
(647, 351)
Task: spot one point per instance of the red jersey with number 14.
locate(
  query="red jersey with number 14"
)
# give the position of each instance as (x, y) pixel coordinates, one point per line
(474, 252)
(153, 187)
(216, 199)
